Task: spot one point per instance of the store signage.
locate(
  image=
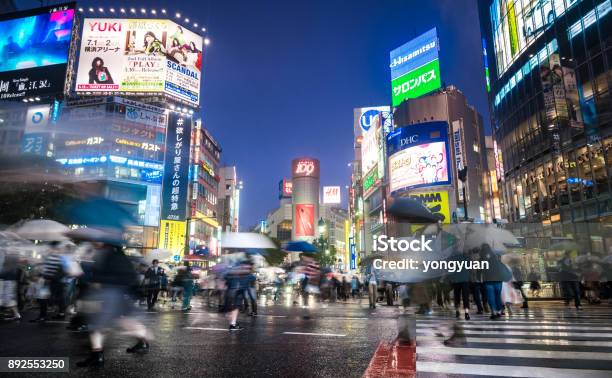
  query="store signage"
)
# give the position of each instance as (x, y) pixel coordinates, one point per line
(285, 188)
(91, 141)
(304, 220)
(133, 143)
(146, 117)
(331, 195)
(176, 168)
(305, 168)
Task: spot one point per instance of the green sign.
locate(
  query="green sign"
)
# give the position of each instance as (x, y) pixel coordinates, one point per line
(370, 179)
(417, 82)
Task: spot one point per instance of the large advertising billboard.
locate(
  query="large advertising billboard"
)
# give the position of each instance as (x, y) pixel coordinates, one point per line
(418, 156)
(436, 202)
(304, 216)
(176, 168)
(135, 56)
(304, 167)
(415, 68)
(34, 49)
(172, 236)
(363, 118)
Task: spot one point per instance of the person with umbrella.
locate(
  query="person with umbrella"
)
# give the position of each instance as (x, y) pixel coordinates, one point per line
(570, 282)
(493, 278)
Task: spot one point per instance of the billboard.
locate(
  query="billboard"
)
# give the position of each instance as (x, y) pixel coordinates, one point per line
(135, 56)
(172, 236)
(436, 202)
(418, 156)
(304, 216)
(331, 195)
(363, 118)
(34, 49)
(176, 168)
(415, 67)
(305, 167)
(285, 188)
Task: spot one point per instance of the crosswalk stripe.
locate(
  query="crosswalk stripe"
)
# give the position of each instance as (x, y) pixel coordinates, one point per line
(524, 344)
(507, 371)
(514, 353)
(314, 334)
(547, 342)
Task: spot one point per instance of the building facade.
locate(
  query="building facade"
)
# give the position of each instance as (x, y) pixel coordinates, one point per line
(550, 73)
(229, 199)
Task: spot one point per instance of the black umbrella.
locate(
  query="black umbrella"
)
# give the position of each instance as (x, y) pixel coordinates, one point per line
(411, 210)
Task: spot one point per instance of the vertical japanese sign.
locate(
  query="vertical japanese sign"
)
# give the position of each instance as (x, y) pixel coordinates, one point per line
(176, 168)
(458, 150)
(304, 214)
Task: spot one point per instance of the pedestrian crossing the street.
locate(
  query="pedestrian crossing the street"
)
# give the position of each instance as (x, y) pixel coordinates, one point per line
(548, 340)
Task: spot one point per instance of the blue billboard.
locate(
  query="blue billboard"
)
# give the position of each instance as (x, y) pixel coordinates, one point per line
(34, 47)
(419, 156)
(414, 54)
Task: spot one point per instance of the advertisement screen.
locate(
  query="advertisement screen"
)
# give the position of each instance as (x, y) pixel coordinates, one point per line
(418, 156)
(415, 68)
(331, 194)
(285, 188)
(176, 168)
(34, 49)
(517, 24)
(139, 56)
(304, 220)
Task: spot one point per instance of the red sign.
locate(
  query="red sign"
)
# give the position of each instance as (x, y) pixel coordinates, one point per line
(287, 188)
(305, 168)
(304, 220)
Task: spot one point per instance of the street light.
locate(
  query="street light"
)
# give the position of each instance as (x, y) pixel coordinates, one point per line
(322, 226)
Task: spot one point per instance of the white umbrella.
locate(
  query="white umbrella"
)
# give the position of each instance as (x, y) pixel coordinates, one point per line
(42, 229)
(497, 238)
(157, 254)
(246, 240)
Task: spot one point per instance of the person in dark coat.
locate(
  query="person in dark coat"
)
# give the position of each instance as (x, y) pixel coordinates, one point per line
(460, 281)
(153, 277)
(570, 281)
(493, 278)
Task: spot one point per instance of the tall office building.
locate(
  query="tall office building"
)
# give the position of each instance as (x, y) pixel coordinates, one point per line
(548, 64)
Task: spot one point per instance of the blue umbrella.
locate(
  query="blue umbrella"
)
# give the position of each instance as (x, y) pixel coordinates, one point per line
(300, 246)
(97, 211)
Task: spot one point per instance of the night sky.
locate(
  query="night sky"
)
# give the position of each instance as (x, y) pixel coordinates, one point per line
(281, 78)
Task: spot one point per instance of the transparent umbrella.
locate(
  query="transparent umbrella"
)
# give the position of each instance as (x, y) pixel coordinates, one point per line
(43, 230)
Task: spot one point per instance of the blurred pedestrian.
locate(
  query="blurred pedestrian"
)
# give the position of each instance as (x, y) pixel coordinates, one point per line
(372, 288)
(152, 282)
(184, 280)
(493, 278)
(251, 293)
(107, 303)
(355, 287)
(236, 283)
(460, 282)
(518, 282)
(570, 281)
(9, 274)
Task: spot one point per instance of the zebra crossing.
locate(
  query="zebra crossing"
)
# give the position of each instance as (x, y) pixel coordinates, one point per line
(548, 340)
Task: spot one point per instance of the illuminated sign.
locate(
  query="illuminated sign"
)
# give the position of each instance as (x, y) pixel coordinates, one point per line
(416, 83)
(415, 68)
(144, 145)
(331, 194)
(134, 56)
(418, 156)
(370, 179)
(436, 202)
(83, 160)
(285, 188)
(363, 118)
(305, 168)
(486, 65)
(35, 45)
(172, 236)
(208, 168)
(419, 51)
(304, 220)
(91, 141)
(176, 168)
(146, 117)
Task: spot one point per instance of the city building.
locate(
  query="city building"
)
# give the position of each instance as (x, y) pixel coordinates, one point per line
(549, 65)
(489, 182)
(335, 220)
(462, 146)
(229, 199)
(305, 173)
(204, 226)
(132, 130)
